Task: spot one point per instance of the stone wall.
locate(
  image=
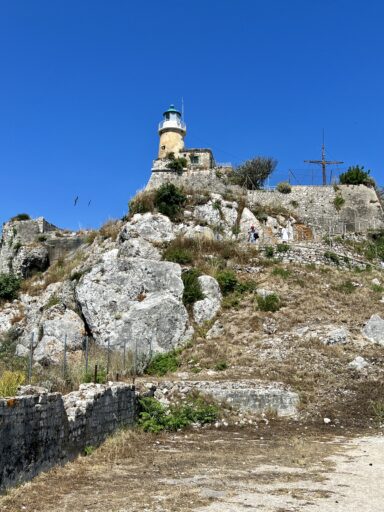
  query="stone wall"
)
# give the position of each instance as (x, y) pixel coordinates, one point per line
(39, 431)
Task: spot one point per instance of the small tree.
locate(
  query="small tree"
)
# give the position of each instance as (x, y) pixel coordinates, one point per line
(356, 175)
(253, 173)
(9, 286)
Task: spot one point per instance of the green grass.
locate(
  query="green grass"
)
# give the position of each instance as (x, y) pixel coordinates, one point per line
(269, 303)
(346, 287)
(163, 363)
(192, 289)
(281, 272)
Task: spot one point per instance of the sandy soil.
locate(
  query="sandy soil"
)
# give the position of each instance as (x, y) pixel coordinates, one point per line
(214, 470)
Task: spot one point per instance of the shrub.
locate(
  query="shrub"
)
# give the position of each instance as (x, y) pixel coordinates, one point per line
(356, 175)
(169, 200)
(282, 248)
(143, 202)
(102, 376)
(253, 173)
(269, 302)
(9, 383)
(192, 289)
(294, 203)
(179, 255)
(21, 216)
(346, 287)
(284, 187)
(154, 417)
(163, 363)
(110, 229)
(177, 164)
(227, 281)
(332, 256)
(9, 286)
(338, 202)
(269, 251)
(221, 366)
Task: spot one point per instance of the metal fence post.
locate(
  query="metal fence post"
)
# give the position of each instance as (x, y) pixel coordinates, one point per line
(65, 358)
(86, 355)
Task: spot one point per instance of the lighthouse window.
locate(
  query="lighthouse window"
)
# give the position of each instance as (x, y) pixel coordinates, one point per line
(194, 159)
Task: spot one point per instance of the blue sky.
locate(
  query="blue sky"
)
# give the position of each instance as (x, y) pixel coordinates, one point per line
(84, 83)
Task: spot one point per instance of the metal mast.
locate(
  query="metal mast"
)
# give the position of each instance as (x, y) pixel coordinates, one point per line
(323, 162)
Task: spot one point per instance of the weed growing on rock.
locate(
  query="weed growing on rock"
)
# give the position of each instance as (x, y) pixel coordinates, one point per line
(227, 281)
(282, 248)
(192, 289)
(9, 286)
(180, 255)
(269, 251)
(332, 256)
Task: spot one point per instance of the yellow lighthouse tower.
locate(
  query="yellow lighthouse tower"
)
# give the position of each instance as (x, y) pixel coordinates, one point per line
(172, 131)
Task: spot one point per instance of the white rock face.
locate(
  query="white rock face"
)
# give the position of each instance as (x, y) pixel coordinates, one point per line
(247, 220)
(204, 310)
(139, 248)
(215, 331)
(136, 301)
(152, 227)
(56, 325)
(337, 336)
(218, 213)
(374, 329)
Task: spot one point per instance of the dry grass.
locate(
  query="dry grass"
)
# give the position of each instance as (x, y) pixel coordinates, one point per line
(110, 229)
(135, 471)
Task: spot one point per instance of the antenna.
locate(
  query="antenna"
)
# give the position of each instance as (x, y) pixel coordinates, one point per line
(323, 162)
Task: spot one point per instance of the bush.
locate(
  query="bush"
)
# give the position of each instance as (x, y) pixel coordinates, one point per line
(227, 281)
(180, 255)
(221, 366)
(346, 287)
(9, 286)
(9, 383)
(192, 289)
(163, 363)
(332, 256)
(282, 248)
(294, 203)
(169, 200)
(269, 302)
(102, 376)
(8, 357)
(284, 187)
(338, 202)
(177, 164)
(269, 251)
(21, 216)
(253, 173)
(356, 175)
(154, 417)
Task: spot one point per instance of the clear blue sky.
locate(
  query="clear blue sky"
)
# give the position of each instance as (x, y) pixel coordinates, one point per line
(84, 83)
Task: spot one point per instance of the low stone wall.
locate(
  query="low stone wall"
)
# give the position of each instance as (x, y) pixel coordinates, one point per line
(39, 431)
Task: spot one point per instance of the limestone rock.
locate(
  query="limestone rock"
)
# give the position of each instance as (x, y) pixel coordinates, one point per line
(138, 248)
(29, 259)
(215, 331)
(153, 227)
(359, 363)
(374, 329)
(134, 300)
(247, 220)
(336, 337)
(56, 325)
(204, 310)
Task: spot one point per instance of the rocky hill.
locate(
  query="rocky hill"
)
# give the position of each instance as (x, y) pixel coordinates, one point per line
(268, 327)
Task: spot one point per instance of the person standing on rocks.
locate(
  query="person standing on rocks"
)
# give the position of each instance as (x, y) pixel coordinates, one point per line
(253, 235)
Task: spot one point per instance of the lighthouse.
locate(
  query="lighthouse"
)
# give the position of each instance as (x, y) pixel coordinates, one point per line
(172, 131)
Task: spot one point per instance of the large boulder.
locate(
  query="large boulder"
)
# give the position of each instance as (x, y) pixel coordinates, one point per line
(374, 330)
(30, 259)
(205, 309)
(134, 301)
(153, 227)
(218, 213)
(58, 327)
(138, 248)
(247, 220)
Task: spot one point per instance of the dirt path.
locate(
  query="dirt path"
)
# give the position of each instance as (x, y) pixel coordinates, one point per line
(214, 470)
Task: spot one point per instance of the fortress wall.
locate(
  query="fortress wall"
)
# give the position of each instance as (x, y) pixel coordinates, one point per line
(39, 431)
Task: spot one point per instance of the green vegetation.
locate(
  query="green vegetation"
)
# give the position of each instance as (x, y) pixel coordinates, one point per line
(102, 376)
(332, 257)
(377, 408)
(253, 173)
(221, 366)
(10, 381)
(181, 255)
(356, 175)
(21, 216)
(346, 287)
(282, 248)
(88, 450)
(169, 200)
(338, 202)
(284, 187)
(163, 363)
(143, 202)
(9, 286)
(269, 302)
(42, 238)
(377, 288)
(294, 203)
(8, 359)
(176, 164)
(156, 418)
(53, 301)
(269, 251)
(192, 289)
(227, 281)
(281, 272)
